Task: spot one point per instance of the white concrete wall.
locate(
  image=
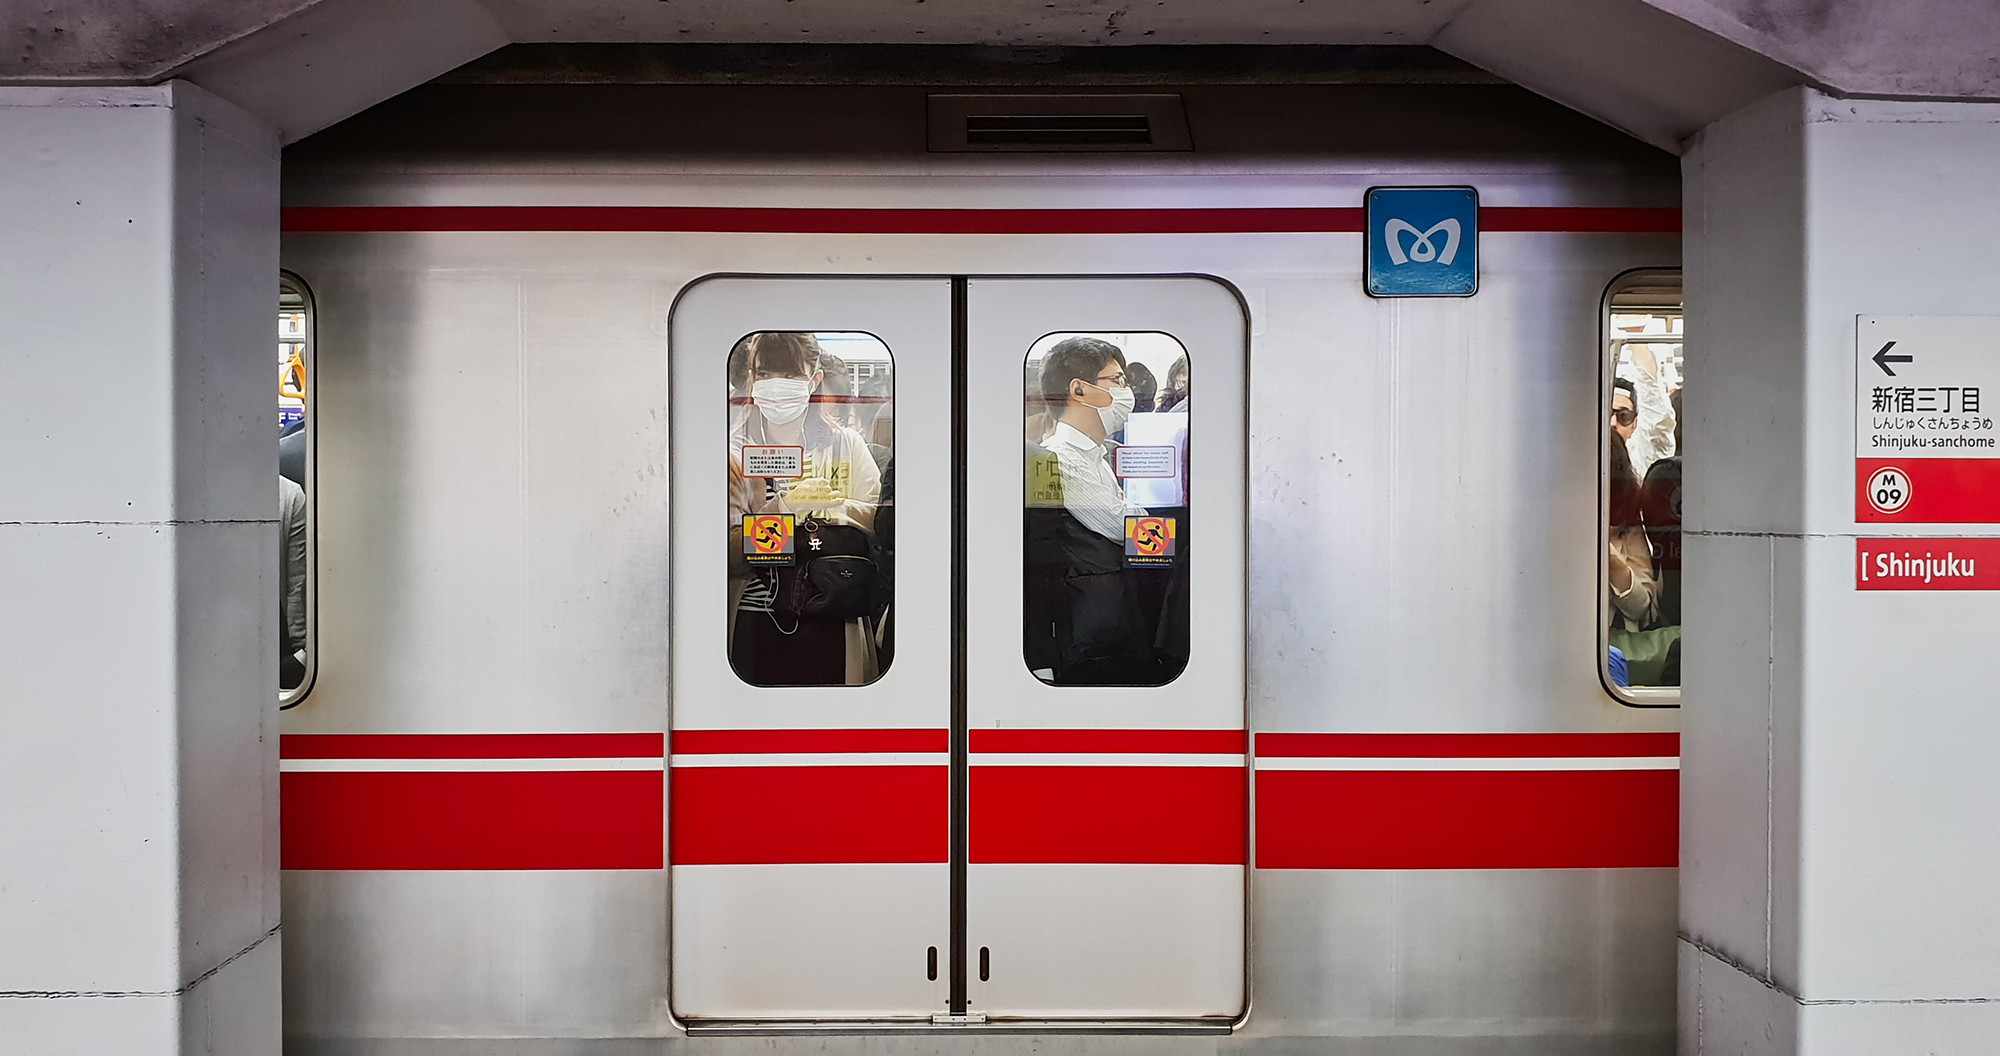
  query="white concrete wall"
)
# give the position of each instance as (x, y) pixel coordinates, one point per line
(1840, 880)
(138, 769)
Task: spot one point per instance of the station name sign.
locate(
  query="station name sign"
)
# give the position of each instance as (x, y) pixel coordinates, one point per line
(1926, 399)
(1927, 564)
(1926, 448)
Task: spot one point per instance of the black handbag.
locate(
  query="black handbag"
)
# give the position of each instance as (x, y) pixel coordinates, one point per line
(835, 576)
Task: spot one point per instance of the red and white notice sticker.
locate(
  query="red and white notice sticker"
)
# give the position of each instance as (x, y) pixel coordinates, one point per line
(1927, 564)
(1926, 396)
(786, 462)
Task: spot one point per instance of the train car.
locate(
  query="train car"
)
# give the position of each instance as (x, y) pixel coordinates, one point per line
(902, 566)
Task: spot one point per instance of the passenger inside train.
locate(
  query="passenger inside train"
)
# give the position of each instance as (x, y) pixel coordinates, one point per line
(293, 571)
(1145, 387)
(1177, 386)
(1106, 592)
(808, 591)
(1643, 488)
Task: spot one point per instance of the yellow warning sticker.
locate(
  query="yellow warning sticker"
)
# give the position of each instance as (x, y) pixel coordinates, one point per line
(1149, 542)
(767, 539)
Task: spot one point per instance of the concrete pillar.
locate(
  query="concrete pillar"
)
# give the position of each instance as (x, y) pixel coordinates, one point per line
(1840, 862)
(138, 562)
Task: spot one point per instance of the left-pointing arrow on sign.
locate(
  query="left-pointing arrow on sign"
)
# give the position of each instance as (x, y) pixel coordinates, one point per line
(1883, 359)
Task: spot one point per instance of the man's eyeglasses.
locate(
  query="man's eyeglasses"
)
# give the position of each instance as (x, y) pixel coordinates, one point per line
(1116, 380)
(1624, 415)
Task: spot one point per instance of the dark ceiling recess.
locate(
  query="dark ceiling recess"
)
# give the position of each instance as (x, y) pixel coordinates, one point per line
(940, 65)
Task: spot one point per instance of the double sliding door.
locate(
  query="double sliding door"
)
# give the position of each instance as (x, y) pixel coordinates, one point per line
(958, 624)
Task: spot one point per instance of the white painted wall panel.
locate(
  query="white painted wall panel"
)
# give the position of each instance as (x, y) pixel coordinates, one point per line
(138, 769)
(1876, 864)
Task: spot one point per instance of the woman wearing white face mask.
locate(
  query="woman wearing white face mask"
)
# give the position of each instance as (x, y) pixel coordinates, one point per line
(771, 643)
(841, 483)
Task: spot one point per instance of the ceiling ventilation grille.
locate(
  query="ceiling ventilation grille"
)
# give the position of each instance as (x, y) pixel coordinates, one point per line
(1058, 123)
(1057, 130)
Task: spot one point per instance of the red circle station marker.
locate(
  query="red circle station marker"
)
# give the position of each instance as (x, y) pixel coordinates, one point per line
(1888, 489)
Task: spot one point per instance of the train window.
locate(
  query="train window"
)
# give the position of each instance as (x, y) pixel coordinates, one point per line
(812, 493)
(1105, 575)
(296, 589)
(1640, 651)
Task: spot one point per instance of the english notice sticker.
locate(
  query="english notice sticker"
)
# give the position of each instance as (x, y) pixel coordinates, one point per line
(767, 539)
(1146, 461)
(1149, 542)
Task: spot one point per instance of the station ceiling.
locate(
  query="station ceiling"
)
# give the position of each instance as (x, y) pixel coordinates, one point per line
(1658, 69)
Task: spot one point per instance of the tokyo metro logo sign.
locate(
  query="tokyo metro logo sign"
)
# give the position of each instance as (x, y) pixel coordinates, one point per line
(1422, 250)
(1422, 241)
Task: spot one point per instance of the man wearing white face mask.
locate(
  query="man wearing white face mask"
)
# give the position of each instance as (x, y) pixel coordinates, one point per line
(1085, 623)
(1083, 379)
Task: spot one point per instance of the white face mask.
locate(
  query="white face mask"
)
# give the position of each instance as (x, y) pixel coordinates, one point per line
(1115, 416)
(781, 400)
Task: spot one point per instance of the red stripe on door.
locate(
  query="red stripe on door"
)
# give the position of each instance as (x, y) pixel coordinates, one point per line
(597, 819)
(1214, 742)
(1118, 814)
(1306, 819)
(757, 815)
(324, 219)
(1466, 745)
(1468, 819)
(1942, 490)
(756, 742)
(470, 745)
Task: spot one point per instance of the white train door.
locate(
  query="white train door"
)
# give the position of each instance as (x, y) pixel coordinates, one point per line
(958, 706)
(1107, 788)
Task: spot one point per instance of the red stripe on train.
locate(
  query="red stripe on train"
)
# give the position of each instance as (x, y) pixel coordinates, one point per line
(757, 742)
(1465, 745)
(1310, 819)
(1113, 814)
(1581, 220)
(1211, 742)
(1467, 819)
(470, 745)
(593, 819)
(324, 219)
(758, 815)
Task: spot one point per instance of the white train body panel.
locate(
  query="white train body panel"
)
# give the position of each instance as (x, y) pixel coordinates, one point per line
(495, 500)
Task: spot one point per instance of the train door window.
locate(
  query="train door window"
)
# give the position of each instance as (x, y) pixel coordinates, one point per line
(1640, 522)
(296, 595)
(1105, 590)
(811, 508)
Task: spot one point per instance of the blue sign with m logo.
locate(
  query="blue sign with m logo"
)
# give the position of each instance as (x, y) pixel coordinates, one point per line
(1423, 241)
